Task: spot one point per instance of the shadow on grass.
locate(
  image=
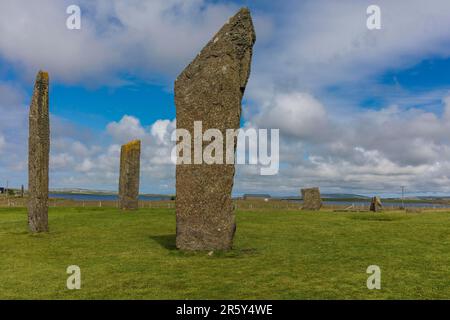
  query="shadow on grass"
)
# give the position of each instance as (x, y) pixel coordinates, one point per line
(380, 217)
(167, 241)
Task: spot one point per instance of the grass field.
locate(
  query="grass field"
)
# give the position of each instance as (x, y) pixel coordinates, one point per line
(278, 255)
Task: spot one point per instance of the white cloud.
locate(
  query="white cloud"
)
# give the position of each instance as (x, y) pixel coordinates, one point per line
(372, 151)
(296, 114)
(320, 43)
(85, 166)
(2, 143)
(162, 130)
(315, 43)
(80, 149)
(13, 126)
(149, 39)
(128, 128)
(10, 95)
(62, 161)
(98, 166)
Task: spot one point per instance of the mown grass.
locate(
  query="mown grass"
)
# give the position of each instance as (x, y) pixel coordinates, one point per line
(278, 255)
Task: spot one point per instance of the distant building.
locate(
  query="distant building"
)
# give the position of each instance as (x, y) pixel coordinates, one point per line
(261, 197)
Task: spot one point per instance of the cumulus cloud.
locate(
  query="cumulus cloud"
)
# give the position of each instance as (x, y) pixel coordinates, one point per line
(327, 139)
(98, 165)
(320, 43)
(89, 160)
(296, 114)
(62, 160)
(375, 150)
(150, 39)
(128, 128)
(160, 130)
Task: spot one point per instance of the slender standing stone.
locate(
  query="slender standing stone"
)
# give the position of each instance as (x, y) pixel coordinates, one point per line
(38, 156)
(130, 158)
(210, 90)
(311, 199)
(376, 205)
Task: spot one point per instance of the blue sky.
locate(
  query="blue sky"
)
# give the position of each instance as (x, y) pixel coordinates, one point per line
(361, 111)
(98, 107)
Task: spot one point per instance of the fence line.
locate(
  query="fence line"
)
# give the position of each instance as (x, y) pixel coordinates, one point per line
(170, 204)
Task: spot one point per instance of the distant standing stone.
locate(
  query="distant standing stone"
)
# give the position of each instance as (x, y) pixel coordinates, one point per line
(375, 204)
(130, 161)
(311, 199)
(210, 90)
(38, 156)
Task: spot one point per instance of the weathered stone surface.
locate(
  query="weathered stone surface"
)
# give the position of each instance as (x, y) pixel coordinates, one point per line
(210, 90)
(311, 199)
(375, 204)
(38, 156)
(130, 162)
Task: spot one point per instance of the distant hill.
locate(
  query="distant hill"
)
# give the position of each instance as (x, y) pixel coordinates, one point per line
(99, 192)
(343, 196)
(82, 191)
(329, 196)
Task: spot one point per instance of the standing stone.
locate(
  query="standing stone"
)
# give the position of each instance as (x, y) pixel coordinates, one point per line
(210, 90)
(130, 162)
(375, 205)
(38, 156)
(311, 199)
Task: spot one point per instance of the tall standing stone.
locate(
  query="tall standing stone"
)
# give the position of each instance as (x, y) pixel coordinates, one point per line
(210, 90)
(38, 156)
(130, 162)
(376, 205)
(311, 199)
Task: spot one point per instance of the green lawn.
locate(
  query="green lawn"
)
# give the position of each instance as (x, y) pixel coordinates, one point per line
(277, 255)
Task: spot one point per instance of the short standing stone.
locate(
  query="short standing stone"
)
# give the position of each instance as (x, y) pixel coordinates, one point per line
(38, 156)
(375, 204)
(130, 156)
(210, 90)
(311, 199)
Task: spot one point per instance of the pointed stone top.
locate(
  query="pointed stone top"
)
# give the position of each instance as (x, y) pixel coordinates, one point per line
(241, 30)
(235, 39)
